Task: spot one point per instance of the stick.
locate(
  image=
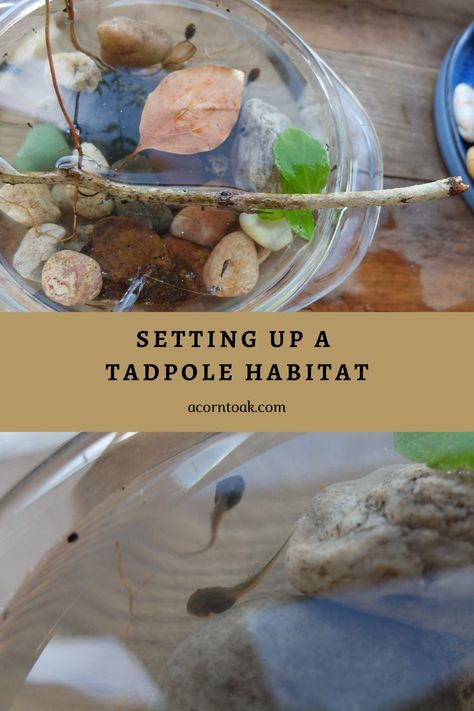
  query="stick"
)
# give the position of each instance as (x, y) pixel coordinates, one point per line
(71, 13)
(57, 91)
(239, 200)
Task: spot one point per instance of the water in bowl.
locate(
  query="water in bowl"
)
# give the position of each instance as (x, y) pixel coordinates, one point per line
(110, 117)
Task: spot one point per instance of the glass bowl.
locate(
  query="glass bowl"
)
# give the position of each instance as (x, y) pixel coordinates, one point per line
(322, 104)
(97, 552)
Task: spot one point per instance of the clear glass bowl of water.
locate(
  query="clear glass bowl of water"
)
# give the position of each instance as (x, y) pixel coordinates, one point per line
(95, 551)
(243, 34)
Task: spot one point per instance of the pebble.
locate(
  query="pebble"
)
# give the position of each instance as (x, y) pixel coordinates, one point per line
(232, 269)
(41, 149)
(463, 102)
(37, 246)
(262, 254)
(124, 246)
(253, 159)
(202, 225)
(156, 215)
(295, 654)
(270, 234)
(70, 278)
(192, 255)
(30, 205)
(89, 204)
(75, 71)
(133, 43)
(93, 159)
(400, 522)
(470, 161)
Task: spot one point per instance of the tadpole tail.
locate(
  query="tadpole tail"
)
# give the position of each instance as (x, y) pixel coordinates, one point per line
(216, 517)
(255, 580)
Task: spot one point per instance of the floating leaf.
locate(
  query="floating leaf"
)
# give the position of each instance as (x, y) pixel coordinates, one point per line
(442, 450)
(192, 111)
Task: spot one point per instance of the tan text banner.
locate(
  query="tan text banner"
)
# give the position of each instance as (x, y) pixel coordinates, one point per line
(200, 372)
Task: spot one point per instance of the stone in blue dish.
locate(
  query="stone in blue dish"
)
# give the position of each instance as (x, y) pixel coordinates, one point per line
(457, 68)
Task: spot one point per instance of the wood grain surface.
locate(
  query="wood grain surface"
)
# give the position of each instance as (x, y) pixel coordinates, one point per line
(389, 53)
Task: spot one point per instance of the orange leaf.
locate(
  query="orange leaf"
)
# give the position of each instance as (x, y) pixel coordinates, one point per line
(192, 110)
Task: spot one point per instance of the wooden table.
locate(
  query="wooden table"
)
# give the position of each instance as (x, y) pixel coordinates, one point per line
(389, 52)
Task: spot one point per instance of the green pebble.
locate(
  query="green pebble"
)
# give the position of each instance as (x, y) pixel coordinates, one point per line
(41, 149)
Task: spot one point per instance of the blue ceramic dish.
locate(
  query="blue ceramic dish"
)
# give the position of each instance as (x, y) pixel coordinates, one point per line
(457, 68)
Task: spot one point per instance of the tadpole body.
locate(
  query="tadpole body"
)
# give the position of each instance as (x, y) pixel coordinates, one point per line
(206, 602)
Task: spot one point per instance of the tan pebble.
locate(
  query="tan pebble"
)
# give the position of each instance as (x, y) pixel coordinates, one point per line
(183, 52)
(232, 268)
(470, 161)
(70, 278)
(133, 43)
(29, 205)
(262, 254)
(37, 246)
(204, 226)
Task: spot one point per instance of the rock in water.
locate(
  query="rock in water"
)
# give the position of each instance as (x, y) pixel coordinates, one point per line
(124, 247)
(233, 267)
(37, 246)
(203, 225)
(133, 43)
(30, 205)
(156, 215)
(254, 161)
(41, 149)
(75, 71)
(273, 235)
(400, 522)
(300, 654)
(71, 279)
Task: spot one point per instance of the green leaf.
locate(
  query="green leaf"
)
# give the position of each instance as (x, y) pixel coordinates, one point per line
(302, 222)
(272, 215)
(304, 168)
(443, 450)
(302, 161)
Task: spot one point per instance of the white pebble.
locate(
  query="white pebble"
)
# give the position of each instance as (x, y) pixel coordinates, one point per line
(94, 160)
(75, 71)
(464, 111)
(37, 246)
(270, 234)
(29, 205)
(90, 204)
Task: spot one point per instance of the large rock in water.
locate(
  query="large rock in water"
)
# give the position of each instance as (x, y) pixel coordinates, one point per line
(253, 157)
(302, 654)
(402, 538)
